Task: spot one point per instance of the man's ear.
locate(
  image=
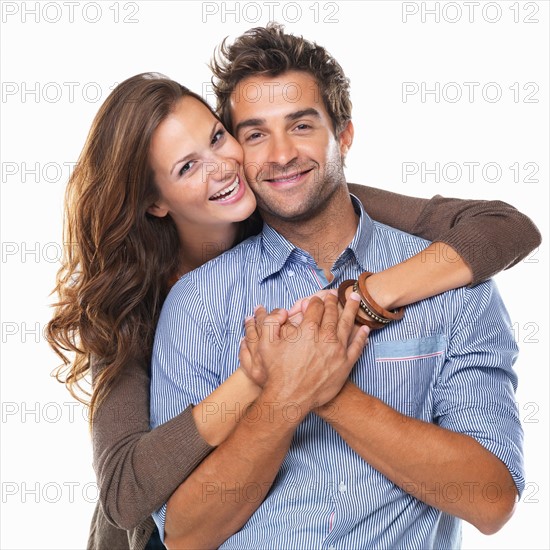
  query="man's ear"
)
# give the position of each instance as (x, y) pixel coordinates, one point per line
(157, 210)
(346, 139)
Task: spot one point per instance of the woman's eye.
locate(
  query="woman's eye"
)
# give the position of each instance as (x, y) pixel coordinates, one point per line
(185, 168)
(217, 136)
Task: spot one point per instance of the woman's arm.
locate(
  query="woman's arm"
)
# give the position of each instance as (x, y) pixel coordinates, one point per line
(473, 240)
(217, 415)
(137, 468)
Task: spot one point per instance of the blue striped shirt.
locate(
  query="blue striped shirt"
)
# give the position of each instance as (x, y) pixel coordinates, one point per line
(448, 361)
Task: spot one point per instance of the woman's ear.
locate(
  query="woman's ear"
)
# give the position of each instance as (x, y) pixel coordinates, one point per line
(157, 210)
(346, 139)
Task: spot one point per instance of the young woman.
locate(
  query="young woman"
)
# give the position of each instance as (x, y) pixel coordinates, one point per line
(140, 221)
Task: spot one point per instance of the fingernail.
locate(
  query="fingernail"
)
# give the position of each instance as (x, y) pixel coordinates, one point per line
(248, 318)
(257, 308)
(333, 291)
(355, 296)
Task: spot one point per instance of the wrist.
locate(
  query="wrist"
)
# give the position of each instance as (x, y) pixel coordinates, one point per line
(289, 398)
(382, 292)
(281, 416)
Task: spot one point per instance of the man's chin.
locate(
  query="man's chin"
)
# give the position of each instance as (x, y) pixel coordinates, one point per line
(291, 214)
(303, 208)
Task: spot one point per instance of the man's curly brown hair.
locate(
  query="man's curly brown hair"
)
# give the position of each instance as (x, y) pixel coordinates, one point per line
(269, 51)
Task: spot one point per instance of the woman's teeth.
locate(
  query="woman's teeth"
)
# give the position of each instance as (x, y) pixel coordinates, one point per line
(226, 193)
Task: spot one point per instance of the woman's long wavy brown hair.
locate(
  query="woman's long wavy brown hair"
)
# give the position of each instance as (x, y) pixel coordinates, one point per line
(117, 258)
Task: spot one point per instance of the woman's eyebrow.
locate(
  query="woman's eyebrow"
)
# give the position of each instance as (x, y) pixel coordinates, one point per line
(191, 155)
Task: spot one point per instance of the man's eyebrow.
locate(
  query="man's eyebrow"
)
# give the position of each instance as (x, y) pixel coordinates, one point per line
(249, 122)
(304, 112)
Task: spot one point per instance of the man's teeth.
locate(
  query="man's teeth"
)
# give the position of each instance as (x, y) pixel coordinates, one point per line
(286, 178)
(228, 192)
(289, 178)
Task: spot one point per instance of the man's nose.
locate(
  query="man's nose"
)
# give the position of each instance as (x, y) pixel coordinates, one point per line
(282, 150)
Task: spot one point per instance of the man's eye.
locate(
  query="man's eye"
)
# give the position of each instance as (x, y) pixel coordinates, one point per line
(185, 168)
(253, 136)
(303, 127)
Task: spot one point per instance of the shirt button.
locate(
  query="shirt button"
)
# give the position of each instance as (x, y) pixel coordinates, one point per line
(291, 273)
(303, 258)
(332, 548)
(342, 487)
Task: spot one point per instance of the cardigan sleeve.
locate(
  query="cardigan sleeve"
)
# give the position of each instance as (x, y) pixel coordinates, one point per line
(138, 468)
(489, 235)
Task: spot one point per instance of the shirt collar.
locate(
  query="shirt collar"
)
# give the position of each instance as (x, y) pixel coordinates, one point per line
(276, 249)
(275, 252)
(361, 241)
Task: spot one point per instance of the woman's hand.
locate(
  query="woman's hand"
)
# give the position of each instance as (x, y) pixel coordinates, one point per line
(296, 312)
(255, 369)
(304, 363)
(300, 306)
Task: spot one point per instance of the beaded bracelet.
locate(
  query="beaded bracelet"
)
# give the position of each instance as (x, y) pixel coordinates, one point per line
(377, 316)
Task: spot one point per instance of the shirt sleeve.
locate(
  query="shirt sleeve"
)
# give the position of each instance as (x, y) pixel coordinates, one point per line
(186, 346)
(475, 393)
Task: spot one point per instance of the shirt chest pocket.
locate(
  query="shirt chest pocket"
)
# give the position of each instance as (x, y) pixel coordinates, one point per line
(404, 373)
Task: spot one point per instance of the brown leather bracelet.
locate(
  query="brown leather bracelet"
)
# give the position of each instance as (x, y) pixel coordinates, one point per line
(363, 317)
(394, 315)
(367, 310)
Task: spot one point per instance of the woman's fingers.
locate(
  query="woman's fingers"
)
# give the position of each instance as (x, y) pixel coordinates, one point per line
(252, 368)
(268, 325)
(250, 330)
(279, 316)
(296, 308)
(301, 305)
(296, 319)
(245, 358)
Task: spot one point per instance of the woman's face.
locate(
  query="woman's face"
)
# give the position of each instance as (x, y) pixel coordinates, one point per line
(198, 169)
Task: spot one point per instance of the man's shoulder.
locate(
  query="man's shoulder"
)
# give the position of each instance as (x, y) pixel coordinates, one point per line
(396, 242)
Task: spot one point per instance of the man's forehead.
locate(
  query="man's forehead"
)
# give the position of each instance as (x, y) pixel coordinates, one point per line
(288, 89)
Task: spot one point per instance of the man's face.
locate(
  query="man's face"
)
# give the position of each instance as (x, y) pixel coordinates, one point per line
(293, 161)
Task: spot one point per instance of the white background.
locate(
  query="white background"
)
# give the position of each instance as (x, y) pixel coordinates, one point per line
(47, 480)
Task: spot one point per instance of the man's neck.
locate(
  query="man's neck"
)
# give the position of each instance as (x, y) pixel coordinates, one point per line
(325, 235)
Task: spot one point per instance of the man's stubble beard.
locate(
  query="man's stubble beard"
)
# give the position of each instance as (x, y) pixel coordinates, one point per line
(317, 200)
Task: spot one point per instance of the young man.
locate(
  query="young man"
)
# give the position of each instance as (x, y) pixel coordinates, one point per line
(424, 431)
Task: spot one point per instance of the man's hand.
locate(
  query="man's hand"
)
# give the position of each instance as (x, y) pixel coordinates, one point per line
(304, 363)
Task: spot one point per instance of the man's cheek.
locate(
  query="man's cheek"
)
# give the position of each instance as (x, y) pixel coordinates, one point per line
(252, 171)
